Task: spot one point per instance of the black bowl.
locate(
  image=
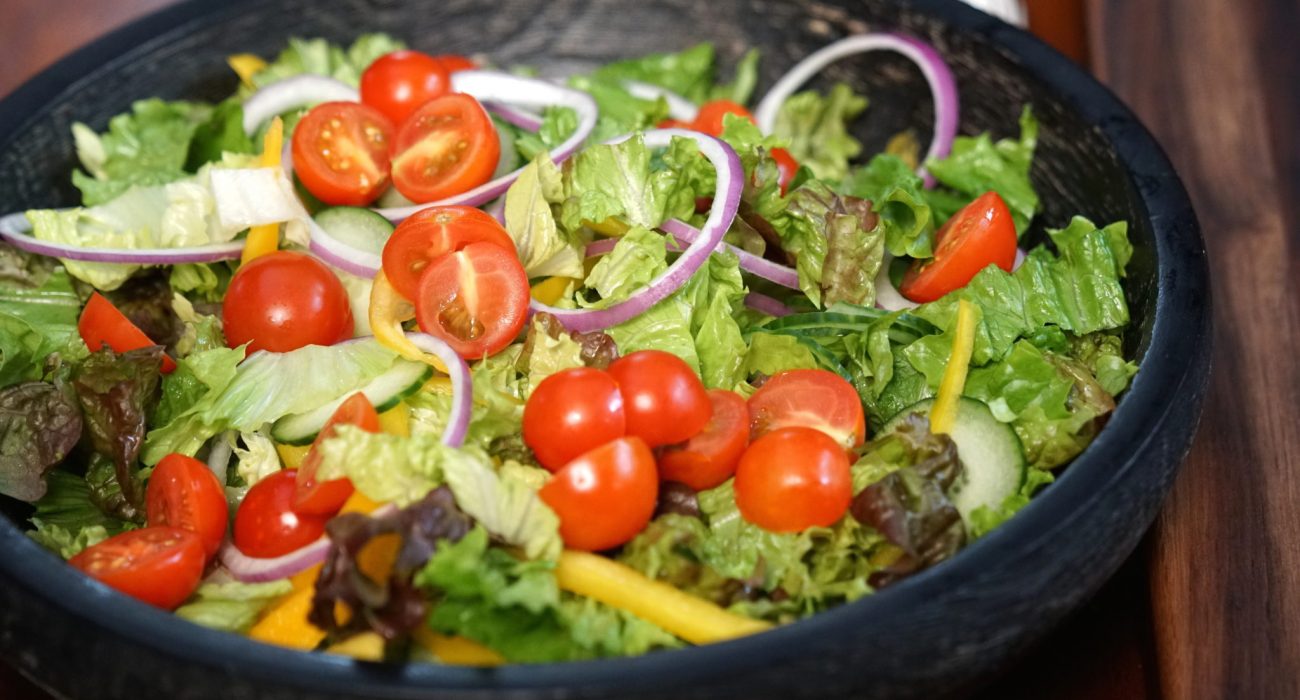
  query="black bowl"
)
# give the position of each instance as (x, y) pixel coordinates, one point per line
(939, 632)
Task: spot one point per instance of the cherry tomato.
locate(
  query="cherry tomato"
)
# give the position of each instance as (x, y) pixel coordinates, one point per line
(283, 301)
(710, 458)
(340, 153)
(786, 166)
(102, 324)
(266, 524)
(664, 400)
(327, 497)
(981, 234)
(158, 565)
(431, 233)
(446, 147)
(572, 412)
(673, 124)
(709, 118)
(476, 299)
(606, 496)
(455, 63)
(792, 479)
(401, 82)
(184, 493)
(812, 398)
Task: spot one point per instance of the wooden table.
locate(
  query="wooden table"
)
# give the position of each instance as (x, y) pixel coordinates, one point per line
(1210, 604)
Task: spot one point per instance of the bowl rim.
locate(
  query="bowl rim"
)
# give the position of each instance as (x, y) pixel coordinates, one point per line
(1175, 362)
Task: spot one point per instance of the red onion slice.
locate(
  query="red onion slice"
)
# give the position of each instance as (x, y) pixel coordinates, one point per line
(679, 107)
(258, 570)
(521, 118)
(347, 258)
(15, 229)
(462, 387)
(943, 88)
(521, 93)
(763, 303)
(730, 181)
(291, 93)
(773, 272)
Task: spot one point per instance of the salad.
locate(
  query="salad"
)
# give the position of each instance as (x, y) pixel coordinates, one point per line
(405, 357)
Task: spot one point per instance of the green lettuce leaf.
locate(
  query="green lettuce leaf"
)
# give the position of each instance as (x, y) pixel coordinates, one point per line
(770, 354)
(1103, 354)
(688, 73)
(67, 521)
(639, 256)
(392, 468)
(506, 504)
(897, 197)
(516, 608)
(742, 85)
(498, 413)
(616, 180)
(222, 133)
(147, 146)
(977, 164)
(816, 128)
(269, 386)
(984, 519)
(558, 124)
(320, 57)
(620, 111)
(232, 607)
(544, 248)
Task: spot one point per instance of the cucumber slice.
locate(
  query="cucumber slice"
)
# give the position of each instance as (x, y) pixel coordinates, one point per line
(360, 228)
(384, 391)
(993, 461)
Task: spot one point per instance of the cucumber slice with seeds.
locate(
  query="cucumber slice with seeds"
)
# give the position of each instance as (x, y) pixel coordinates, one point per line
(360, 228)
(385, 392)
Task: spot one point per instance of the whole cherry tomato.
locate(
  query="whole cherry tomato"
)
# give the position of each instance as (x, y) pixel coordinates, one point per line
(606, 496)
(792, 479)
(266, 524)
(401, 82)
(283, 301)
(571, 412)
(664, 400)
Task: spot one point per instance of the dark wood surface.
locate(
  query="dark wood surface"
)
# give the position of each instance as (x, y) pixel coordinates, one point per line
(1210, 604)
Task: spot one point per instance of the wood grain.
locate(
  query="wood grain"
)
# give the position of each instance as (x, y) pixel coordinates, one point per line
(1217, 82)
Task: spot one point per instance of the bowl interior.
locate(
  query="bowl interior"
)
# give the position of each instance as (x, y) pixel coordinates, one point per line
(1077, 169)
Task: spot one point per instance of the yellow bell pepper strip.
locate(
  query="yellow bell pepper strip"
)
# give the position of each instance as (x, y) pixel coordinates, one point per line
(366, 646)
(291, 456)
(549, 290)
(944, 411)
(612, 227)
(388, 309)
(457, 651)
(396, 420)
(694, 619)
(286, 624)
(266, 238)
(246, 65)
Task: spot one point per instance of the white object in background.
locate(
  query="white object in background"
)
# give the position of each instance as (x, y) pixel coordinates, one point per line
(1012, 11)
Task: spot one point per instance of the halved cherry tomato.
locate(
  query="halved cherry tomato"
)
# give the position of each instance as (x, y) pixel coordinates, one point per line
(326, 497)
(606, 496)
(431, 233)
(792, 479)
(102, 324)
(340, 153)
(158, 565)
(184, 493)
(446, 147)
(710, 458)
(786, 165)
(571, 412)
(476, 299)
(283, 301)
(981, 234)
(812, 398)
(455, 63)
(709, 118)
(401, 82)
(266, 524)
(664, 400)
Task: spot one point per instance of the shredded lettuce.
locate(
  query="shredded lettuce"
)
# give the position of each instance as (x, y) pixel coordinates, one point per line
(320, 57)
(544, 248)
(897, 197)
(147, 146)
(67, 521)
